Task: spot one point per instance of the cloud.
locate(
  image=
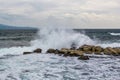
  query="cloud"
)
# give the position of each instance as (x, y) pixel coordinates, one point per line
(64, 13)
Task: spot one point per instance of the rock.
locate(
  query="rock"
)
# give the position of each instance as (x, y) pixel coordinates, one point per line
(88, 52)
(110, 51)
(117, 49)
(78, 53)
(73, 48)
(57, 51)
(86, 48)
(63, 49)
(106, 51)
(51, 51)
(83, 57)
(37, 50)
(25, 53)
(97, 49)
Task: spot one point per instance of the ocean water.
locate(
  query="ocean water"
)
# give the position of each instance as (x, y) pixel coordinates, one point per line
(16, 66)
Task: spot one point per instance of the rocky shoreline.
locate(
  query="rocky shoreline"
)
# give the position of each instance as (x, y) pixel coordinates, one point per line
(81, 51)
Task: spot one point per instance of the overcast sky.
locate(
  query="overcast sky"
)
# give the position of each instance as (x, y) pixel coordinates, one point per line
(61, 13)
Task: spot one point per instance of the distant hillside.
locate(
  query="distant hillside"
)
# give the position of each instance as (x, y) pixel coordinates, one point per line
(4, 27)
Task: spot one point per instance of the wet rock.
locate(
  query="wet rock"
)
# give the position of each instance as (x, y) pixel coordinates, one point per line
(117, 49)
(88, 52)
(106, 51)
(110, 51)
(25, 53)
(64, 49)
(83, 57)
(73, 48)
(51, 51)
(97, 49)
(78, 53)
(86, 48)
(37, 50)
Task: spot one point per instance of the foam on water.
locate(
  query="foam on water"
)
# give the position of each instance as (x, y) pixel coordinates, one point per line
(53, 67)
(115, 34)
(56, 38)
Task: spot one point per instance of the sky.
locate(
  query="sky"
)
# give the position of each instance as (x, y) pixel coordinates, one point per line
(61, 13)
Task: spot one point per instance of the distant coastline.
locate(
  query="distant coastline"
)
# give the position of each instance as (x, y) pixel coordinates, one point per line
(8, 27)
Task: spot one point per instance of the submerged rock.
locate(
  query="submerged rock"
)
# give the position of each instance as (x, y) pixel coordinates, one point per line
(83, 57)
(25, 53)
(37, 50)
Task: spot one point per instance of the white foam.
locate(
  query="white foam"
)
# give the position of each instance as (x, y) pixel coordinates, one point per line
(115, 34)
(14, 50)
(56, 38)
(50, 67)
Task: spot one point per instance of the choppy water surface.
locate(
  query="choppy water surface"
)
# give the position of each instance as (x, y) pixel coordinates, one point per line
(54, 67)
(16, 66)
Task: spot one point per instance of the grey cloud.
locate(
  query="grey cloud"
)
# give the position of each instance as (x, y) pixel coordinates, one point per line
(64, 13)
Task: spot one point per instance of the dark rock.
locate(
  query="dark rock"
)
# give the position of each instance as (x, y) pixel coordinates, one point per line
(24, 53)
(37, 50)
(83, 58)
(51, 51)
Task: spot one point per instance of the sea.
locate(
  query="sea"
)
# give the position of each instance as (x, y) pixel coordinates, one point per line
(16, 66)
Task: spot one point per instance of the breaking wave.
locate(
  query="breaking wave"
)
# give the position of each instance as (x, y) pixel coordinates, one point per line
(54, 67)
(56, 38)
(59, 38)
(115, 34)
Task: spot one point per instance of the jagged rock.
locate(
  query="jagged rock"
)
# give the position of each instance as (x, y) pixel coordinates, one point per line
(83, 57)
(51, 51)
(37, 50)
(25, 53)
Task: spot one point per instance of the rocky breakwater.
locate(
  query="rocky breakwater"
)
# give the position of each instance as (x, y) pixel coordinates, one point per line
(81, 51)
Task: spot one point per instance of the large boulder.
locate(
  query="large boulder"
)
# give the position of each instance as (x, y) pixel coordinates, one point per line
(78, 53)
(83, 57)
(51, 51)
(86, 48)
(97, 49)
(110, 51)
(25, 53)
(117, 49)
(37, 50)
(73, 53)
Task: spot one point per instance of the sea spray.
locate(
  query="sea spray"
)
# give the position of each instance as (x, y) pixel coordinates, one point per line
(56, 38)
(59, 38)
